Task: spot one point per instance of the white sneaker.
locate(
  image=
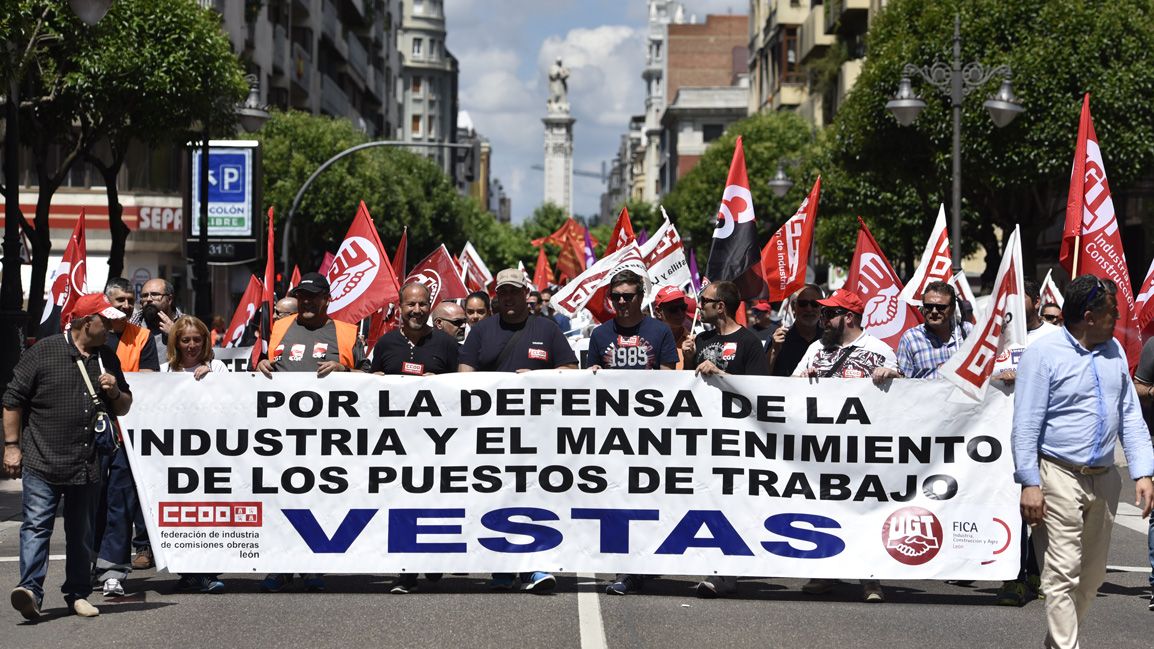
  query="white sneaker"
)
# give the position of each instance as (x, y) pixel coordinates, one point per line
(113, 588)
(82, 608)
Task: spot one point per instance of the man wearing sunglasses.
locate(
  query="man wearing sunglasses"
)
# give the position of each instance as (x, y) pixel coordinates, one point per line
(789, 344)
(675, 309)
(924, 348)
(631, 340)
(1052, 313)
(844, 350)
(1072, 404)
(450, 318)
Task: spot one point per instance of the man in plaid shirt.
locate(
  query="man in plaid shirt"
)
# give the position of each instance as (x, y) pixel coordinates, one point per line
(925, 347)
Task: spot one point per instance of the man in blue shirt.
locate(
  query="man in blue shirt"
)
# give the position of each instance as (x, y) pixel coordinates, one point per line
(1072, 403)
(924, 348)
(631, 340)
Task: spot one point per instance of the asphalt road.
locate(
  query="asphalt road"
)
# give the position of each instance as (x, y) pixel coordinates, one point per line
(357, 611)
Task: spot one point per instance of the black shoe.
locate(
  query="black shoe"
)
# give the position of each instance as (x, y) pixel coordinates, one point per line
(625, 584)
(404, 584)
(1151, 607)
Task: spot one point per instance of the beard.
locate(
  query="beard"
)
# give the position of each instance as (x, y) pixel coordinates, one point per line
(831, 337)
(151, 315)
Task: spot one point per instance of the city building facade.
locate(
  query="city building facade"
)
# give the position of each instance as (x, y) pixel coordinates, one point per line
(429, 74)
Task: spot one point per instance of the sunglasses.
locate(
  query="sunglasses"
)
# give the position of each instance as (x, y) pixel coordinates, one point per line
(622, 297)
(1051, 317)
(1099, 287)
(710, 300)
(153, 296)
(674, 307)
(940, 308)
(459, 322)
(830, 314)
(806, 304)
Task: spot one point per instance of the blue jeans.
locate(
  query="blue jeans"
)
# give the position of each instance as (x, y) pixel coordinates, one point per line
(41, 501)
(114, 553)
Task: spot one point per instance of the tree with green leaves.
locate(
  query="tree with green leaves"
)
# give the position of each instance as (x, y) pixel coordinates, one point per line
(147, 72)
(895, 176)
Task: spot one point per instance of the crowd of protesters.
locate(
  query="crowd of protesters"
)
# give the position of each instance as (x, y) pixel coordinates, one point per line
(1074, 400)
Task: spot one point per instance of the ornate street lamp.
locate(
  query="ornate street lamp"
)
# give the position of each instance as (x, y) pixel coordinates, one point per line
(956, 82)
(780, 184)
(90, 11)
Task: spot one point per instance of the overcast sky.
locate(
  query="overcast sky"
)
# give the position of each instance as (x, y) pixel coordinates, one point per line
(505, 48)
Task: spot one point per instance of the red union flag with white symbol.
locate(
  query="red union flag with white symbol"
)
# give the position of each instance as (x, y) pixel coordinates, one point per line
(244, 323)
(474, 270)
(361, 278)
(664, 255)
(1144, 306)
(1001, 328)
(439, 272)
(785, 258)
(598, 305)
(734, 256)
(67, 284)
(870, 276)
(573, 297)
(936, 262)
(1091, 241)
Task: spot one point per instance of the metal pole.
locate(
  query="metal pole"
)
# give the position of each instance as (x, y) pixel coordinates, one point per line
(956, 101)
(288, 222)
(12, 317)
(202, 282)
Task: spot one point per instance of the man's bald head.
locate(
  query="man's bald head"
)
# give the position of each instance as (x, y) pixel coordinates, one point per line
(450, 318)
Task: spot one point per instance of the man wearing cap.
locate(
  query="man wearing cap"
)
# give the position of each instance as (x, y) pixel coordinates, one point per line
(516, 341)
(845, 351)
(54, 452)
(675, 308)
(763, 324)
(789, 344)
(311, 341)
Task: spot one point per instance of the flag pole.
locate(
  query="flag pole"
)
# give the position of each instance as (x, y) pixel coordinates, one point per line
(1077, 249)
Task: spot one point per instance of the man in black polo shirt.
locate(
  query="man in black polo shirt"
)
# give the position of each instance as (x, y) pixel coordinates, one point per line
(516, 341)
(788, 344)
(55, 451)
(416, 349)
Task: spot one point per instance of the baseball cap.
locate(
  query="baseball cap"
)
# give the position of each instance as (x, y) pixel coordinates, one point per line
(762, 306)
(511, 277)
(311, 283)
(844, 299)
(667, 294)
(95, 304)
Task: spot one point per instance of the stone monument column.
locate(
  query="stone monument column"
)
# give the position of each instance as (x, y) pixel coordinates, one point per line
(559, 141)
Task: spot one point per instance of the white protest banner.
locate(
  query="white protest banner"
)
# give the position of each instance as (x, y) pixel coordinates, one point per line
(616, 472)
(664, 254)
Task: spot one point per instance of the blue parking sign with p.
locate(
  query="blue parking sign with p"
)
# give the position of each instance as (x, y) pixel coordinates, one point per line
(230, 177)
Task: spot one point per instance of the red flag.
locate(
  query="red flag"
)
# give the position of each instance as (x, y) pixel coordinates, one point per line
(327, 263)
(361, 277)
(1144, 306)
(598, 305)
(936, 264)
(542, 274)
(571, 238)
(401, 257)
(381, 322)
(871, 276)
(245, 315)
(68, 283)
(785, 258)
(296, 279)
(1091, 226)
(734, 256)
(439, 273)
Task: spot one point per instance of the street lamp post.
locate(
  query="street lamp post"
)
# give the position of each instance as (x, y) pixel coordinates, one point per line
(252, 115)
(957, 82)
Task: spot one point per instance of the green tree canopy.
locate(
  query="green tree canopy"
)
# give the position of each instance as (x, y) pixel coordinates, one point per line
(895, 177)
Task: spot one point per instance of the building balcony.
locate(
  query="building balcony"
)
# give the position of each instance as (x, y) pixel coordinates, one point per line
(812, 38)
(847, 77)
(330, 21)
(847, 17)
(787, 13)
(302, 68)
(333, 99)
(788, 95)
(358, 59)
(279, 49)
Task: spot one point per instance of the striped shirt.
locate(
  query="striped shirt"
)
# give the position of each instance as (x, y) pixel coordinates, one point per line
(921, 352)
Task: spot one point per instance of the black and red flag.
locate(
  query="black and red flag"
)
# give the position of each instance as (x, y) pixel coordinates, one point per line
(734, 255)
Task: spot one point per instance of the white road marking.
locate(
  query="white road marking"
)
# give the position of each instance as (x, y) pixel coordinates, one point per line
(51, 557)
(1128, 568)
(589, 613)
(1130, 517)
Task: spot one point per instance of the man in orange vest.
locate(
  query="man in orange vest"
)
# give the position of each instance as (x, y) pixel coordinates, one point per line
(311, 341)
(129, 341)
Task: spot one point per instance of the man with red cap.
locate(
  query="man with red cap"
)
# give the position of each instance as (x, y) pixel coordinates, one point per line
(675, 309)
(55, 452)
(763, 324)
(845, 351)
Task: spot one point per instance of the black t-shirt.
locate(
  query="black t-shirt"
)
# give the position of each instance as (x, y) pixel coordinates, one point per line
(541, 346)
(792, 350)
(435, 353)
(740, 352)
(148, 357)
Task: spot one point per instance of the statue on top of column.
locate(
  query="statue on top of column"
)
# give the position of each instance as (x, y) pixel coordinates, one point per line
(558, 101)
